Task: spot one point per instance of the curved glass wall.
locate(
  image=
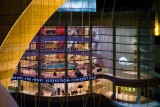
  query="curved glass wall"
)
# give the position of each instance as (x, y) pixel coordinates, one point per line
(68, 60)
(134, 53)
(102, 48)
(147, 65)
(125, 48)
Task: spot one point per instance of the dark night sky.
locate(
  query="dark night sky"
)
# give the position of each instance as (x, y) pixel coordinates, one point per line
(124, 4)
(127, 5)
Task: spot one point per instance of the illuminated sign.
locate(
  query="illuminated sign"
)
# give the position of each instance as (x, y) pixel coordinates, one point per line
(79, 6)
(124, 61)
(53, 80)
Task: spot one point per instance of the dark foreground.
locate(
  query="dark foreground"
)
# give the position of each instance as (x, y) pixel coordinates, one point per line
(88, 100)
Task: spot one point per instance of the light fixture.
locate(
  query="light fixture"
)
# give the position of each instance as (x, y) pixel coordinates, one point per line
(124, 61)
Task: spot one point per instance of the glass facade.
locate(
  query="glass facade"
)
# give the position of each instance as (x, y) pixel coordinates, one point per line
(65, 59)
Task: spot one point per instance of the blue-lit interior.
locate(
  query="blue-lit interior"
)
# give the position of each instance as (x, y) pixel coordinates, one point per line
(58, 66)
(79, 6)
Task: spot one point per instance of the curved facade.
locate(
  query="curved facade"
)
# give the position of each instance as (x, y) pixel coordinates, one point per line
(116, 61)
(25, 24)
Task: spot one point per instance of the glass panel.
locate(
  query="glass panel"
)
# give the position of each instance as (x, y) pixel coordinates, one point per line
(79, 6)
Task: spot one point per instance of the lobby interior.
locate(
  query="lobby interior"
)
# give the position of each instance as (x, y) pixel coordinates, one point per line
(111, 50)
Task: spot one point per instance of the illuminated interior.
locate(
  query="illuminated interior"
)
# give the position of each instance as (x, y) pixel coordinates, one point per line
(78, 53)
(48, 58)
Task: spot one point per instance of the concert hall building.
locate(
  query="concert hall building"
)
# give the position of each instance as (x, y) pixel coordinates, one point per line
(92, 51)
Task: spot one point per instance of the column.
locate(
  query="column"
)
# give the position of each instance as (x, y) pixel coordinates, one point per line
(39, 63)
(138, 63)
(19, 72)
(138, 91)
(138, 57)
(90, 57)
(30, 56)
(114, 61)
(138, 53)
(66, 59)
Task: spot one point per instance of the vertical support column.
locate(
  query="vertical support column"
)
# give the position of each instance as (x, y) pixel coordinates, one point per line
(73, 45)
(114, 51)
(138, 53)
(113, 97)
(19, 72)
(66, 59)
(39, 63)
(138, 63)
(90, 57)
(138, 91)
(114, 60)
(30, 56)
